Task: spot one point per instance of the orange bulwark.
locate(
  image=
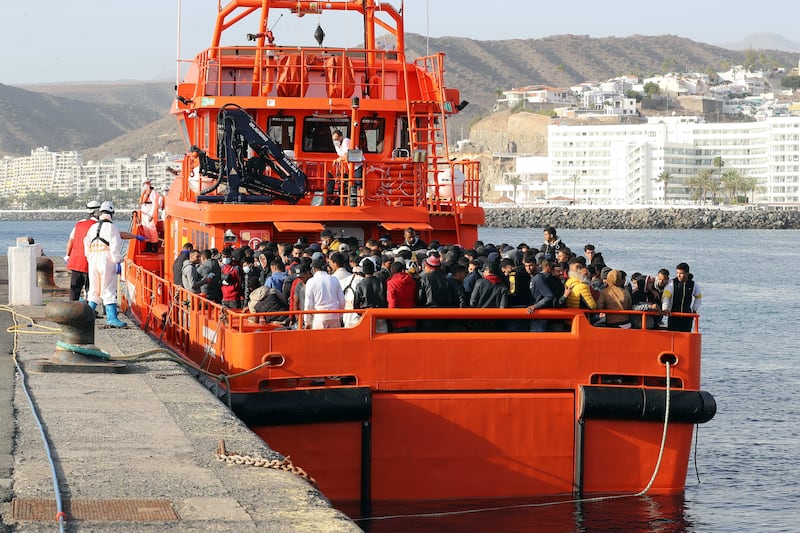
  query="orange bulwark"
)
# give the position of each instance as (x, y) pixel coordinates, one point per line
(452, 414)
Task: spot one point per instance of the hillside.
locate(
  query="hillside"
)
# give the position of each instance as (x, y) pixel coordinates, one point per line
(110, 117)
(162, 135)
(75, 117)
(481, 68)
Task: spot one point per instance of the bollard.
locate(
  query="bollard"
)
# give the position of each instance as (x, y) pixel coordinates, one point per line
(44, 273)
(22, 288)
(75, 350)
(76, 320)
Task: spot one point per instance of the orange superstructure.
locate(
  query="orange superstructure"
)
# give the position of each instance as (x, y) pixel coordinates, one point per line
(390, 416)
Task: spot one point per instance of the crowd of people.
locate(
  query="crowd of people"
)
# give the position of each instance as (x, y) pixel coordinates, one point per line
(333, 273)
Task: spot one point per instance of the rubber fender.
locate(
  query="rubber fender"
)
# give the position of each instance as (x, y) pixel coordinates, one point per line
(307, 406)
(637, 403)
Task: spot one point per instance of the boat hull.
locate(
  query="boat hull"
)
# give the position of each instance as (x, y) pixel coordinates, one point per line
(450, 445)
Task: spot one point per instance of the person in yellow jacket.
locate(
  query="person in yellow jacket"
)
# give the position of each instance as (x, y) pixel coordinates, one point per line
(580, 295)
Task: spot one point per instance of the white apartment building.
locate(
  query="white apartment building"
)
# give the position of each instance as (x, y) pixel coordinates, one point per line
(536, 94)
(620, 164)
(604, 165)
(782, 184)
(65, 173)
(43, 170)
(679, 84)
(528, 182)
(608, 102)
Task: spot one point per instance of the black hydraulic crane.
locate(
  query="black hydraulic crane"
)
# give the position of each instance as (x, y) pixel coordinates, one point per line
(237, 132)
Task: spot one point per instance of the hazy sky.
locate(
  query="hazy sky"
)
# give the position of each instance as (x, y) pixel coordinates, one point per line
(86, 40)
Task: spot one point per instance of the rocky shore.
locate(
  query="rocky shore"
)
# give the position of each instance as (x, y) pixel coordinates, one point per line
(568, 217)
(641, 218)
(41, 215)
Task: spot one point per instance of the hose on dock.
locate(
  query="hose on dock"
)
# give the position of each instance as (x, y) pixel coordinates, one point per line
(60, 517)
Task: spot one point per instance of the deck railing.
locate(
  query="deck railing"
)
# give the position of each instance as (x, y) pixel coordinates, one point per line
(292, 72)
(181, 317)
(228, 344)
(398, 182)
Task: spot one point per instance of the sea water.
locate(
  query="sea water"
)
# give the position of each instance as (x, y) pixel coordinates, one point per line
(743, 473)
(52, 235)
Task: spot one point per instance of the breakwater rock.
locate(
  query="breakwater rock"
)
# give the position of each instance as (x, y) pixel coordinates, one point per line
(41, 215)
(641, 218)
(565, 217)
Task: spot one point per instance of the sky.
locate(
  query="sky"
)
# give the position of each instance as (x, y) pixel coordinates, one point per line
(46, 41)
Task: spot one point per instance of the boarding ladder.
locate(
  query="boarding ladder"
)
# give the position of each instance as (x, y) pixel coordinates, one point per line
(426, 123)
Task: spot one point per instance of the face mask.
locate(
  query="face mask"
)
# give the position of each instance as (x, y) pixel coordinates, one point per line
(226, 261)
(337, 144)
(246, 269)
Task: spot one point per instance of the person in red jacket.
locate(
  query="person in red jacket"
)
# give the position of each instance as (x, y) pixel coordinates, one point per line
(401, 292)
(77, 263)
(232, 291)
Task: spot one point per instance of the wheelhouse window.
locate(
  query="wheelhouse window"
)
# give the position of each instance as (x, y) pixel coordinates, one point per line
(281, 130)
(373, 130)
(317, 133)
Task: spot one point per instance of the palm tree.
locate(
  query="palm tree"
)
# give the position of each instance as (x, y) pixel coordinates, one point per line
(718, 163)
(695, 185)
(514, 181)
(713, 188)
(749, 185)
(732, 181)
(700, 184)
(664, 177)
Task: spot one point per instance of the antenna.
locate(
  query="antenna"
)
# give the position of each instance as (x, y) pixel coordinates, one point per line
(178, 50)
(427, 27)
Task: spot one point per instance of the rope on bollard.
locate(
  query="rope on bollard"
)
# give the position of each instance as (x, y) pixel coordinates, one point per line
(100, 354)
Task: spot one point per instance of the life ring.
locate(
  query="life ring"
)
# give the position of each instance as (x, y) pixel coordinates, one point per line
(376, 86)
(340, 75)
(291, 82)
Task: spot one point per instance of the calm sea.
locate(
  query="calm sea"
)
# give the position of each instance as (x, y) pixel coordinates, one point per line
(747, 458)
(52, 235)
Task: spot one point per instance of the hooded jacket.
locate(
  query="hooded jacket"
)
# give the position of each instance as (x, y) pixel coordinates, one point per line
(581, 295)
(614, 297)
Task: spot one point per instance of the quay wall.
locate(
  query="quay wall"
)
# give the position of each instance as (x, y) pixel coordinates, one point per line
(640, 218)
(568, 217)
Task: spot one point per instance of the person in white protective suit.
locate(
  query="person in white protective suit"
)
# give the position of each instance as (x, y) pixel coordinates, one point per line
(103, 248)
(149, 202)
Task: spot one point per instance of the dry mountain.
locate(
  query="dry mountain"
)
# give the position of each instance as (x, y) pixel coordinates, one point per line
(112, 117)
(75, 117)
(481, 68)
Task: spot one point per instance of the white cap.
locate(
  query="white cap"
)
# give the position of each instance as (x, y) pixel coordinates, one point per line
(107, 207)
(91, 205)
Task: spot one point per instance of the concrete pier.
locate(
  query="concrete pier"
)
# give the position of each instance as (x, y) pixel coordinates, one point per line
(133, 451)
